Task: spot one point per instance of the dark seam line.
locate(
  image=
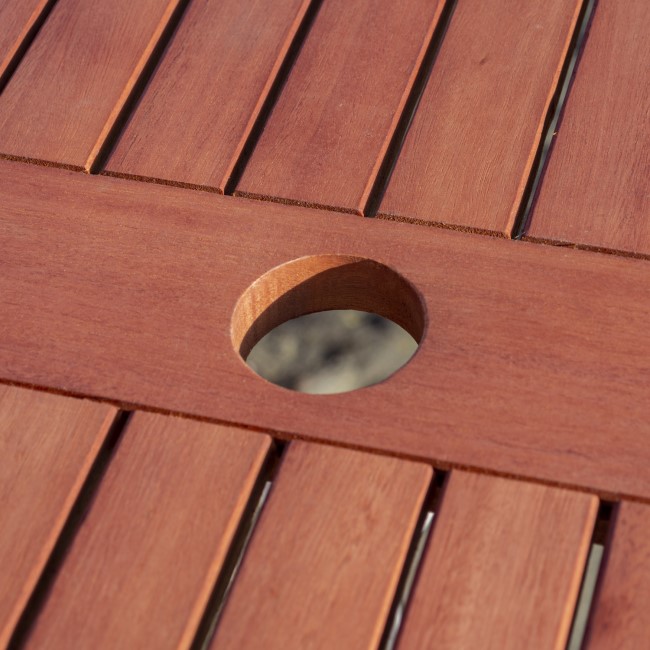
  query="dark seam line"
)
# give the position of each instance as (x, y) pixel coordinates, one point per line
(26, 43)
(74, 521)
(603, 528)
(404, 123)
(273, 95)
(438, 464)
(552, 120)
(141, 83)
(413, 562)
(238, 547)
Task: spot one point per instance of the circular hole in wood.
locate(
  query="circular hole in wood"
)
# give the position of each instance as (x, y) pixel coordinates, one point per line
(366, 322)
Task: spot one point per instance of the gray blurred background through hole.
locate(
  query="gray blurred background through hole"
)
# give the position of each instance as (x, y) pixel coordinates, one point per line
(332, 351)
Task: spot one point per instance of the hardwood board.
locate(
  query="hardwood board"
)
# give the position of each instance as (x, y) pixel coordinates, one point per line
(619, 614)
(17, 20)
(48, 444)
(329, 131)
(144, 562)
(198, 110)
(503, 568)
(470, 148)
(75, 78)
(326, 555)
(595, 190)
(534, 360)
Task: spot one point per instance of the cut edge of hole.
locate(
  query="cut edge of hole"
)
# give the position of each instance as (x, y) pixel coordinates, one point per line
(318, 283)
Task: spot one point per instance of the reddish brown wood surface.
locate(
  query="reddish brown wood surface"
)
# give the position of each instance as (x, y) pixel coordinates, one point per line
(619, 616)
(330, 129)
(144, 562)
(48, 444)
(199, 109)
(471, 145)
(503, 568)
(17, 20)
(597, 186)
(326, 556)
(534, 359)
(75, 78)
(595, 190)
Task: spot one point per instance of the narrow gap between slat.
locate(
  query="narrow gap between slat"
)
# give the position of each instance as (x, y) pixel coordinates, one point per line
(254, 507)
(40, 162)
(286, 436)
(106, 143)
(25, 44)
(585, 247)
(413, 560)
(590, 577)
(552, 118)
(399, 136)
(274, 93)
(73, 523)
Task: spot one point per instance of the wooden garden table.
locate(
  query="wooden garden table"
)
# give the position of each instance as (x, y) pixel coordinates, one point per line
(178, 177)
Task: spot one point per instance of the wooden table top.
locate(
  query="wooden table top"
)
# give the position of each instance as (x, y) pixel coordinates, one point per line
(178, 177)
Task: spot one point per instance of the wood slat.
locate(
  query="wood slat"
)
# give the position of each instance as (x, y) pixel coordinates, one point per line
(18, 18)
(503, 568)
(198, 111)
(533, 356)
(75, 78)
(330, 129)
(619, 617)
(471, 145)
(596, 190)
(326, 555)
(145, 560)
(48, 445)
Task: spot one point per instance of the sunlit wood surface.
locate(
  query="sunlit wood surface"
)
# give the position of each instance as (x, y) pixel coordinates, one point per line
(178, 177)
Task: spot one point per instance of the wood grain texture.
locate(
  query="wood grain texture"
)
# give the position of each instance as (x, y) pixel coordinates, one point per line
(17, 20)
(144, 561)
(534, 360)
(470, 148)
(76, 76)
(48, 444)
(326, 555)
(503, 568)
(330, 129)
(198, 111)
(619, 614)
(596, 189)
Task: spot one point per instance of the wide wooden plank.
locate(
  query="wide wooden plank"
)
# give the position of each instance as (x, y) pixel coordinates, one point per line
(75, 78)
(596, 189)
(17, 20)
(48, 444)
(470, 148)
(619, 615)
(503, 568)
(145, 560)
(531, 357)
(198, 111)
(325, 558)
(330, 129)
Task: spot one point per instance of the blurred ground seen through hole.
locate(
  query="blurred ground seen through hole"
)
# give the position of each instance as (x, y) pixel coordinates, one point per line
(332, 351)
